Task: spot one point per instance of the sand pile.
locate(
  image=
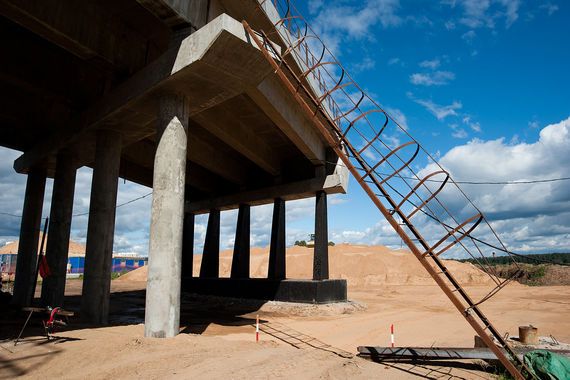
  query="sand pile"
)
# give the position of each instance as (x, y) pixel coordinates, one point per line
(360, 265)
(75, 249)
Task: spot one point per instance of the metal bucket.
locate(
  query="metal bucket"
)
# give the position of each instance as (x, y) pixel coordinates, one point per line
(528, 334)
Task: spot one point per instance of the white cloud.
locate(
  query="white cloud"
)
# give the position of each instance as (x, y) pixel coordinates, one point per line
(430, 64)
(439, 111)
(458, 132)
(399, 116)
(469, 36)
(393, 61)
(511, 11)
(533, 124)
(486, 13)
(473, 125)
(366, 63)
(340, 22)
(529, 218)
(315, 5)
(449, 25)
(437, 78)
(550, 8)
(498, 161)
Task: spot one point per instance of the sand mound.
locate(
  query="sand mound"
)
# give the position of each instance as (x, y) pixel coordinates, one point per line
(75, 249)
(134, 275)
(360, 265)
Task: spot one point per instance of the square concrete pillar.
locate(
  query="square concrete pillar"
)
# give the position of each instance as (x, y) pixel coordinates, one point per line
(321, 255)
(101, 229)
(210, 267)
(29, 237)
(188, 245)
(277, 270)
(241, 257)
(162, 314)
(57, 247)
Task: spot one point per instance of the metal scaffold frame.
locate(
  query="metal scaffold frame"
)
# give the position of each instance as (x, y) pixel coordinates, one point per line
(386, 169)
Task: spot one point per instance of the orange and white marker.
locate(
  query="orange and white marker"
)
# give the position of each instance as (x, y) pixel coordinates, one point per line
(257, 328)
(392, 334)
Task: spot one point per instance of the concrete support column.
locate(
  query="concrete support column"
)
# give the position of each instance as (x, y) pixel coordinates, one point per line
(240, 260)
(101, 229)
(277, 249)
(57, 247)
(188, 245)
(162, 314)
(210, 267)
(321, 255)
(29, 237)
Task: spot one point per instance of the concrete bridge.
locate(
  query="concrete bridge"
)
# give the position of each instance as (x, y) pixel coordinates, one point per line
(172, 95)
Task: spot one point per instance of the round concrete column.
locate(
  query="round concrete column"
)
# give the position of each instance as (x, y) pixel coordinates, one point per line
(29, 236)
(162, 315)
(101, 229)
(57, 247)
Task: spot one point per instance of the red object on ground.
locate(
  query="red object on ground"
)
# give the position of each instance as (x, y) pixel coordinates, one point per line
(392, 334)
(52, 315)
(44, 267)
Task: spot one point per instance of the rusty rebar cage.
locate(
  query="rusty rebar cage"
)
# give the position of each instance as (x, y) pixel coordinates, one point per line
(416, 195)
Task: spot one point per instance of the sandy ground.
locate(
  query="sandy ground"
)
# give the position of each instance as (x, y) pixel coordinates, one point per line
(297, 341)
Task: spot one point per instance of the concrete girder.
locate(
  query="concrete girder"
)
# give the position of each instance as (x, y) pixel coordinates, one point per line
(76, 28)
(137, 163)
(231, 130)
(179, 13)
(332, 184)
(283, 110)
(210, 66)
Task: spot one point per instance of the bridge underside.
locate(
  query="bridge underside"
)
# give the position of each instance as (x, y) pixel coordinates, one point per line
(170, 95)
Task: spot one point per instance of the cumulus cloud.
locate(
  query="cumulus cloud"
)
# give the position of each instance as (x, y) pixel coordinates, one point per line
(550, 8)
(394, 61)
(486, 13)
(528, 217)
(336, 23)
(458, 132)
(531, 216)
(437, 78)
(430, 64)
(440, 111)
(399, 116)
(365, 64)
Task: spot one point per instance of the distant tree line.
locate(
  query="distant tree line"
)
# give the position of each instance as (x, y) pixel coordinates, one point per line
(303, 243)
(542, 258)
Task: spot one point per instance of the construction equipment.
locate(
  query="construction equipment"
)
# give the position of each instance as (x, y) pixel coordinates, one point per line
(418, 197)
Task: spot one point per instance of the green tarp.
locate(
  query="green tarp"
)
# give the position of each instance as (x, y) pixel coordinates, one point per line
(547, 365)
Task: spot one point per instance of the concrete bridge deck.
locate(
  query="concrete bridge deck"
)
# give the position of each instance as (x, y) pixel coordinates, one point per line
(169, 94)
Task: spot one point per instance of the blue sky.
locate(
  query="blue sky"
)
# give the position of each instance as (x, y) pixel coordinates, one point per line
(483, 85)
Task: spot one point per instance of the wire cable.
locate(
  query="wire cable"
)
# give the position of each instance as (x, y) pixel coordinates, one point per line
(87, 212)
